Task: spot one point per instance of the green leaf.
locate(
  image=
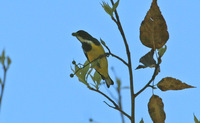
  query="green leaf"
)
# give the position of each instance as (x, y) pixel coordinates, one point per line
(196, 120)
(93, 79)
(76, 67)
(81, 74)
(3, 57)
(86, 68)
(107, 8)
(89, 73)
(8, 61)
(97, 78)
(115, 6)
(141, 121)
(161, 51)
(102, 42)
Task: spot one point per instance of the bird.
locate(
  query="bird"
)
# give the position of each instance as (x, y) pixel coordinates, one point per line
(93, 50)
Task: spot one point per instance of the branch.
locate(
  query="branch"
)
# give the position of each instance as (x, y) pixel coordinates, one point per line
(118, 110)
(116, 56)
(152, 78)
(117, 21)
(113, 102)
(3, 84)
(120, 102)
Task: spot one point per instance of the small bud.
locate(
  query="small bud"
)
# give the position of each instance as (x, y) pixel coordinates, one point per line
(91, 120)
(71, 75)
(73, 62)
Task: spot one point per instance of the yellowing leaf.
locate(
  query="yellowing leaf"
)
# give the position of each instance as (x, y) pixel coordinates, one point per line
(170, 83)
(156, 109)
(153, 29)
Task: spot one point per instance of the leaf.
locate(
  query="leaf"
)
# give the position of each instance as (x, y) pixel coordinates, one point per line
(147, 60)
(161, 51)
(8, 61)
(93, 79)
(89, 73)
(170, 83)
(156, 109)
(86, 68)
(141, 121)
(0, 81)
(102, 42)
(196, 120)
(140, 66)
(3, 57)
(115, 6)
(97, 78)
(81, 74)
(107, 8)
(153, 29)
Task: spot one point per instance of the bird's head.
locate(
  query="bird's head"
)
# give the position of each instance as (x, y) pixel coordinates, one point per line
(85, 37)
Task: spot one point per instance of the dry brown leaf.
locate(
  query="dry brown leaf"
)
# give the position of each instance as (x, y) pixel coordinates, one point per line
(156, 109)
(153, 30)
(170, 83)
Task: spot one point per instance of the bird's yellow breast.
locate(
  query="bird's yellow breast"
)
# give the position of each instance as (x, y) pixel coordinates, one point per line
(94, 53)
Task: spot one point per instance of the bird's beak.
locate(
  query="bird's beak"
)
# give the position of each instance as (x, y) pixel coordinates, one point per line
(74, 34)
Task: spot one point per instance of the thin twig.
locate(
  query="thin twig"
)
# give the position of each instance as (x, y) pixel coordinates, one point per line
(119, 58)
(3, 84)
(115, 55)
(120, 103)
(104, 95)
(118, 110)
(111, 94)
(113, 102)
(129, 64)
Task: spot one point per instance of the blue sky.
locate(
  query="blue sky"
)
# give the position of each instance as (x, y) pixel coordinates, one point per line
(36, 34)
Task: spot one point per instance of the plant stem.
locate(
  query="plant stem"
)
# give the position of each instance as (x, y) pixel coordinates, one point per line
(120, 104)
(113, 102)
(129, 64)
(3, 85)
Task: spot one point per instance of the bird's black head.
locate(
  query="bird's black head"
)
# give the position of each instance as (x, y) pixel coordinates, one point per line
(83, 36)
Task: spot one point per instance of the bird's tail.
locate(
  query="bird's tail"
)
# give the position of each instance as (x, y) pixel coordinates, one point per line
(109, 81)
